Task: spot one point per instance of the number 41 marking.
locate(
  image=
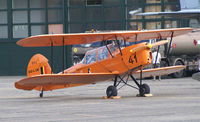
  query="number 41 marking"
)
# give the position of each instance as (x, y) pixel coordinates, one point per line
(132, 60)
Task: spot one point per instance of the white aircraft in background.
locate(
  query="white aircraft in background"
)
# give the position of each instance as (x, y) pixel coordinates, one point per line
(189, 9)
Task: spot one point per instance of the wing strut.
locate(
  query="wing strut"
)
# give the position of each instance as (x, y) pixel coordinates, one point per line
(63, 46)
(52, 57)
(109, 50)
(157, 56)
(135, 38)
(125, 42)
(170, 44)
(117, 42)
(157, 52)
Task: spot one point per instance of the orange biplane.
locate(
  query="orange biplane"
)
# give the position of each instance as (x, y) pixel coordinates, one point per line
(110, 62)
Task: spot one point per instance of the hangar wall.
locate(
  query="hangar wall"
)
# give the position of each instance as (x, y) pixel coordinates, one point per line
(23, 18)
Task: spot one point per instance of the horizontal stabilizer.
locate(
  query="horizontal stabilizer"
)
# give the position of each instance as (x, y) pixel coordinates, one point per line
(62, 79)
(159, 71)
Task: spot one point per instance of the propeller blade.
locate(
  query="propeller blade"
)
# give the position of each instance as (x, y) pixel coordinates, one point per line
(148, 46)
(159, 43)
(142, 47)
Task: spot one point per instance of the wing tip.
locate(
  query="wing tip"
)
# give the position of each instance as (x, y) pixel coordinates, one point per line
(18, 86)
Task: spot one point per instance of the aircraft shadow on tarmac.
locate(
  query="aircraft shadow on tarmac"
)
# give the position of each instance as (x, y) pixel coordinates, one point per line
(68, 98)
(71, 98)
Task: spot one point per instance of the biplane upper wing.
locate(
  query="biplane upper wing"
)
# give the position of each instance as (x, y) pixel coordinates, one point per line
(62, 79)
(85, 38)
(159, 71)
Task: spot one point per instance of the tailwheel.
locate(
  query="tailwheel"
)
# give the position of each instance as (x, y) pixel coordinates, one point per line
(111, 91)
(41, 94)
(144, 89)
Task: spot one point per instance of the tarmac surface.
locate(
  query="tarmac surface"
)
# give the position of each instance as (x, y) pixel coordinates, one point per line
(173, 100)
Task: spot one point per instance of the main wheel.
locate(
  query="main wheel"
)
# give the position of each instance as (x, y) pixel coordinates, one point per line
(111, 91)
(144, 89)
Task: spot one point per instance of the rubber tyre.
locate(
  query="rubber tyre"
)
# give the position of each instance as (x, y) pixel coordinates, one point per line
(111, 91)
(144, 89)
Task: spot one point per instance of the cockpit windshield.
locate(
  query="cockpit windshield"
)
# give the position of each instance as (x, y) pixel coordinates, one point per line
(97, 54)
(102, 54)
(91, 57)
(114, 49)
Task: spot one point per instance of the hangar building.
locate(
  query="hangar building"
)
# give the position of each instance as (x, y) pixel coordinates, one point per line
(23, 18)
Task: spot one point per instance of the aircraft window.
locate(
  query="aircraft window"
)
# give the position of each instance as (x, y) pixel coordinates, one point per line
(102, 54)
(91, 57)
(113, 48)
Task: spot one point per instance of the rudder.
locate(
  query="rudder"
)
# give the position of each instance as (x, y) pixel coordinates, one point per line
(38, 65)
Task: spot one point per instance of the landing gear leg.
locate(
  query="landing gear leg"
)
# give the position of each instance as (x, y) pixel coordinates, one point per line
(143, 88)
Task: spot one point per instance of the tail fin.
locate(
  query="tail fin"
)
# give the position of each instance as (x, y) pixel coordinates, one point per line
(38, 65)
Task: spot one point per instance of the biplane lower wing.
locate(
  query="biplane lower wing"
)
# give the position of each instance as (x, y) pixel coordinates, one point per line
(159, 71)
(56, 81)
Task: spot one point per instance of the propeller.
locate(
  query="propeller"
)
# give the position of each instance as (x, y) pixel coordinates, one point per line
(160, 43)
(142, 47)
(148, 46)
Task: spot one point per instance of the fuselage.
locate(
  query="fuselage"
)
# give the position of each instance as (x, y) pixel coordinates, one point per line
(109, 60)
